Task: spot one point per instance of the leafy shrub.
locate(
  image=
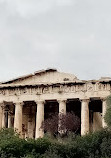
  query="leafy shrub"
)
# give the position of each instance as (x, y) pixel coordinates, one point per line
(96, 145)
(65, 123)
(12, 145)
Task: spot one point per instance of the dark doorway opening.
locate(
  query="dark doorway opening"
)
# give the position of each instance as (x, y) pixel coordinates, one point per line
(51, 112)
(74, 106)
(95, 115)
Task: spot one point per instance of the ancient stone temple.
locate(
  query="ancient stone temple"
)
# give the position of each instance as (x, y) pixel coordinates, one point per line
(26, 101)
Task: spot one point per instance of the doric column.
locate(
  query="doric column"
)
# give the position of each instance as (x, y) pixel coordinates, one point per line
(62, 111)
(104, 107)
(18, 117)
(4, 116)
(62, 106)
(84, 116)
(1, 104)
(39, 119)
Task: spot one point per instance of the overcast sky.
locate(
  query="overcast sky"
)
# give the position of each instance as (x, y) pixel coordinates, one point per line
(73, 36)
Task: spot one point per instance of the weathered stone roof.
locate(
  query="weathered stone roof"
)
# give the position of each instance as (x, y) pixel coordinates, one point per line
(47, 76)
(29, 75)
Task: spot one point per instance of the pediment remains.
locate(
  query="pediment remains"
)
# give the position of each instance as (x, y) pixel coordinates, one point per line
(47, 76)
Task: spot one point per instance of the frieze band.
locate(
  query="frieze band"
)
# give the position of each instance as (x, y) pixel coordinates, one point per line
(89, 87)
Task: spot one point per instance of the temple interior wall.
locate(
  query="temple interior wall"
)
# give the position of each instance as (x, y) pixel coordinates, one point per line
(97, 121)
(95, 115)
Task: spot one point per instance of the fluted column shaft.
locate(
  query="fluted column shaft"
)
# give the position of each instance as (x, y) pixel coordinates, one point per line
(104, 107)
(39, 119)
(18, 118)
(62, 111)
(1, 113)
(62, 106)
(4, 116)
(84, 116)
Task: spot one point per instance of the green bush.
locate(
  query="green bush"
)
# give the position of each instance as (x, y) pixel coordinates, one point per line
(12, 145)
(96, 145)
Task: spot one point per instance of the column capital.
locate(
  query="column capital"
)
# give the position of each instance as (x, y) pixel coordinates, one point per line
(40, 101)
(103, 98)
(85, 100)
(61, 100)
(19, 103)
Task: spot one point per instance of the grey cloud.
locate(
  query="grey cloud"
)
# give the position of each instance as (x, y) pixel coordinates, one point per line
(71, 35)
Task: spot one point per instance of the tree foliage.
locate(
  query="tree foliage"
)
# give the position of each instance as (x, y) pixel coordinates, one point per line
(65, 123)
(95, 145)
